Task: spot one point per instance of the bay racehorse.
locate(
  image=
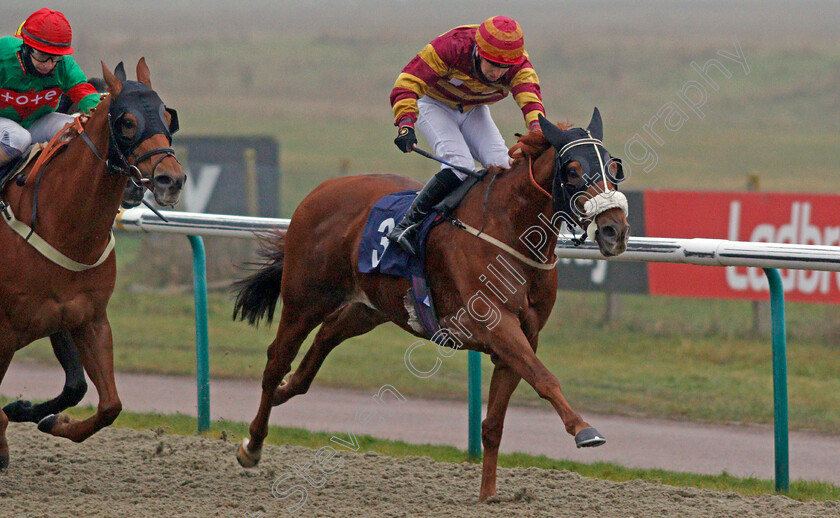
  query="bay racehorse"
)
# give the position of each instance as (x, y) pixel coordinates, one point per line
(59, 271)
(559, 174)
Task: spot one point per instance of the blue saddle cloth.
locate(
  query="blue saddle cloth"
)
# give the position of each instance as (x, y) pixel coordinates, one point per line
(377, 253)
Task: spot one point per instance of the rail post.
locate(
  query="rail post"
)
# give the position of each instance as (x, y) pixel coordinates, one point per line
(202, 353)
(780, 397)
(474, 406)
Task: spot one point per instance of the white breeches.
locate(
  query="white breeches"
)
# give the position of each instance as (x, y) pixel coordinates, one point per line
(14, 138)
(462, 138)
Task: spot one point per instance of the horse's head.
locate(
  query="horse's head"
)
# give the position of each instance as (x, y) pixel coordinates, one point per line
(585, 184)
(141, 129)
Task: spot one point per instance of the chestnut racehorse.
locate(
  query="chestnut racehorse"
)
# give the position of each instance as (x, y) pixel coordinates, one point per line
(59, 270)
(558, 174)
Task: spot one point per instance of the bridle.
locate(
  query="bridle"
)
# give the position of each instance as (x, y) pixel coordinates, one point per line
(565, 194)
(144, 104)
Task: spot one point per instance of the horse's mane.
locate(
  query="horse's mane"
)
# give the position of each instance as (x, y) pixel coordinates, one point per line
(530, 145)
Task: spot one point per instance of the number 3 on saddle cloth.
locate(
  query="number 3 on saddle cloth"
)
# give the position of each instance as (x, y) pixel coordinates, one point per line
(378, 254)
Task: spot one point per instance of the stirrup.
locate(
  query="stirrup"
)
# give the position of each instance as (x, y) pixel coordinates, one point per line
(403, 240)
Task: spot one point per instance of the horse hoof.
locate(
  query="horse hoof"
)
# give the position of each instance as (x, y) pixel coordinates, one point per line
(247, 459)
(4, 462)
(589, 438)
(47, 424)
(19, 412)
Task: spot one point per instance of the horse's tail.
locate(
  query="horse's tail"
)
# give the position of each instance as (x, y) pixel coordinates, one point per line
(257, 294)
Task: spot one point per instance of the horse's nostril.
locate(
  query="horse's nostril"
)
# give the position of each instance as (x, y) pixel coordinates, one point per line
(608, 232)
(167, 182)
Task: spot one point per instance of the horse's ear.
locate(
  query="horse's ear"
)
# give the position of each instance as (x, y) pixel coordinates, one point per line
(557, 137)
(596, 126)
(119, 72)
(113, 84)
(143, 72)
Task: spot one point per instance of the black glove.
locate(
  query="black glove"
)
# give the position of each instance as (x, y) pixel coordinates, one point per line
(406, 139)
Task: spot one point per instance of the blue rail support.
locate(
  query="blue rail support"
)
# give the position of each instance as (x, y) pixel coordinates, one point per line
(202, 353)
(474, 390)
(780, 396)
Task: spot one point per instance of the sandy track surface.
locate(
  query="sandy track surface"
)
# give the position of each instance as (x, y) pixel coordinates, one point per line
(631, 441)
(151, 474)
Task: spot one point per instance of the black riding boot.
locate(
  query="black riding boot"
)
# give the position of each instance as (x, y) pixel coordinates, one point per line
(432, 193)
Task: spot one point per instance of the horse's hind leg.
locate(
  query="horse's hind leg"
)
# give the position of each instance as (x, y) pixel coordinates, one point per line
(74, 384)
(95, 345)
(294, 327)
(346, 322)
(502, 385)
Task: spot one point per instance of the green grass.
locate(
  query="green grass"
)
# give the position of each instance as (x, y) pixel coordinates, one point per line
(234, 432)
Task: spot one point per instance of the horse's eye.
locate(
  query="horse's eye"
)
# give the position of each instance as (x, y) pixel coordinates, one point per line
(128, 127)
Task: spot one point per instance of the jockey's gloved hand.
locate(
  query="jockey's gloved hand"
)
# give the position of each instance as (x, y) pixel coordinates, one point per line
(406, 139)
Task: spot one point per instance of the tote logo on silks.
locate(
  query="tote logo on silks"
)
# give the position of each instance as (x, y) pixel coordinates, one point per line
(26, 103)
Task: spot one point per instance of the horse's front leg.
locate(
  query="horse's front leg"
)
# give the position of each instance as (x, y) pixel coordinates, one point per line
(502, 385)
(508, 341)
(5, 358)
(95, 345)
(74, 384)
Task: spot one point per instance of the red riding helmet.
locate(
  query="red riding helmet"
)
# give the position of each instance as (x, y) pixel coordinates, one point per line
(500, 40)
(48, 31)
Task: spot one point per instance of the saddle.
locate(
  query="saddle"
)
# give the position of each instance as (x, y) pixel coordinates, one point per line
(453, 199)
(42, 151)
(16, 165)
(378, 255)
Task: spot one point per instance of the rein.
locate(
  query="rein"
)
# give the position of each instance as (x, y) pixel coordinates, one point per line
(479, 233)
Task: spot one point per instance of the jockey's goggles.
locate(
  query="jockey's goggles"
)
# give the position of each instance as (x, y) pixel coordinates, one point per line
(43, 57)
(494, 64)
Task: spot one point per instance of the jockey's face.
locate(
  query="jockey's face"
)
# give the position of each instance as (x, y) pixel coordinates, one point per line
(44, 63)
(493, 71)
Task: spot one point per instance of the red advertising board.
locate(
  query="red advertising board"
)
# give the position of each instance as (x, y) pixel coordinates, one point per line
(748, 216)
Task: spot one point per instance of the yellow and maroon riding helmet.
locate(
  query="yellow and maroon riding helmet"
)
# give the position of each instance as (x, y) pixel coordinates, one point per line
(48, 31)
(499, 39)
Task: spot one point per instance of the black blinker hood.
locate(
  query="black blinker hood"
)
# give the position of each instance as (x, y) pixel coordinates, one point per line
(147, 107)
(562, 192)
